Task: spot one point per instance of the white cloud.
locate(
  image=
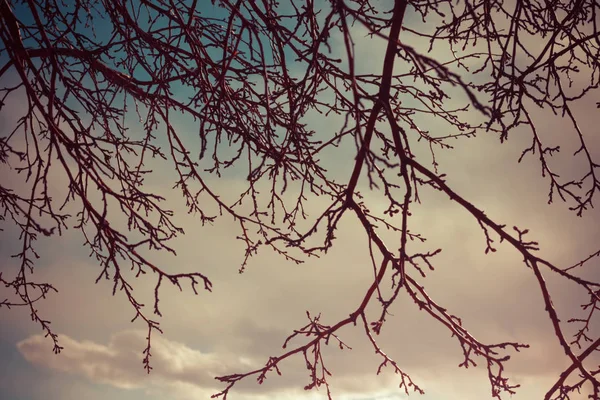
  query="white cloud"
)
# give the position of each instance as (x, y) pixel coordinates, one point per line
(119, 362)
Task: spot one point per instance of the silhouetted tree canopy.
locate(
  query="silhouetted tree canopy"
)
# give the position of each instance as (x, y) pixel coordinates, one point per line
(103, 86)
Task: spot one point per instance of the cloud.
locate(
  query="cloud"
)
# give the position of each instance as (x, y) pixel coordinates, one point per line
(247, 318)
(179, 370)
(119, 362)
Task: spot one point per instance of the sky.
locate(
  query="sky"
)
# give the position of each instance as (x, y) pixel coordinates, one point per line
(247, 317)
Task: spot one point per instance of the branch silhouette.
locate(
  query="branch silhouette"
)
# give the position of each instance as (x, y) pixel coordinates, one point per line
(104, 84)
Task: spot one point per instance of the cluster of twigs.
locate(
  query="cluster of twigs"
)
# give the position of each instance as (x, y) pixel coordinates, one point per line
(249, 74)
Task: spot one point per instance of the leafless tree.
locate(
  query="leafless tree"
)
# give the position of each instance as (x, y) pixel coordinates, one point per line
(250, 74)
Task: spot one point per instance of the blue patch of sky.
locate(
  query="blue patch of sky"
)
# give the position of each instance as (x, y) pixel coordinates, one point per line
(214, 14)
(102, 29)
(14, 367)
